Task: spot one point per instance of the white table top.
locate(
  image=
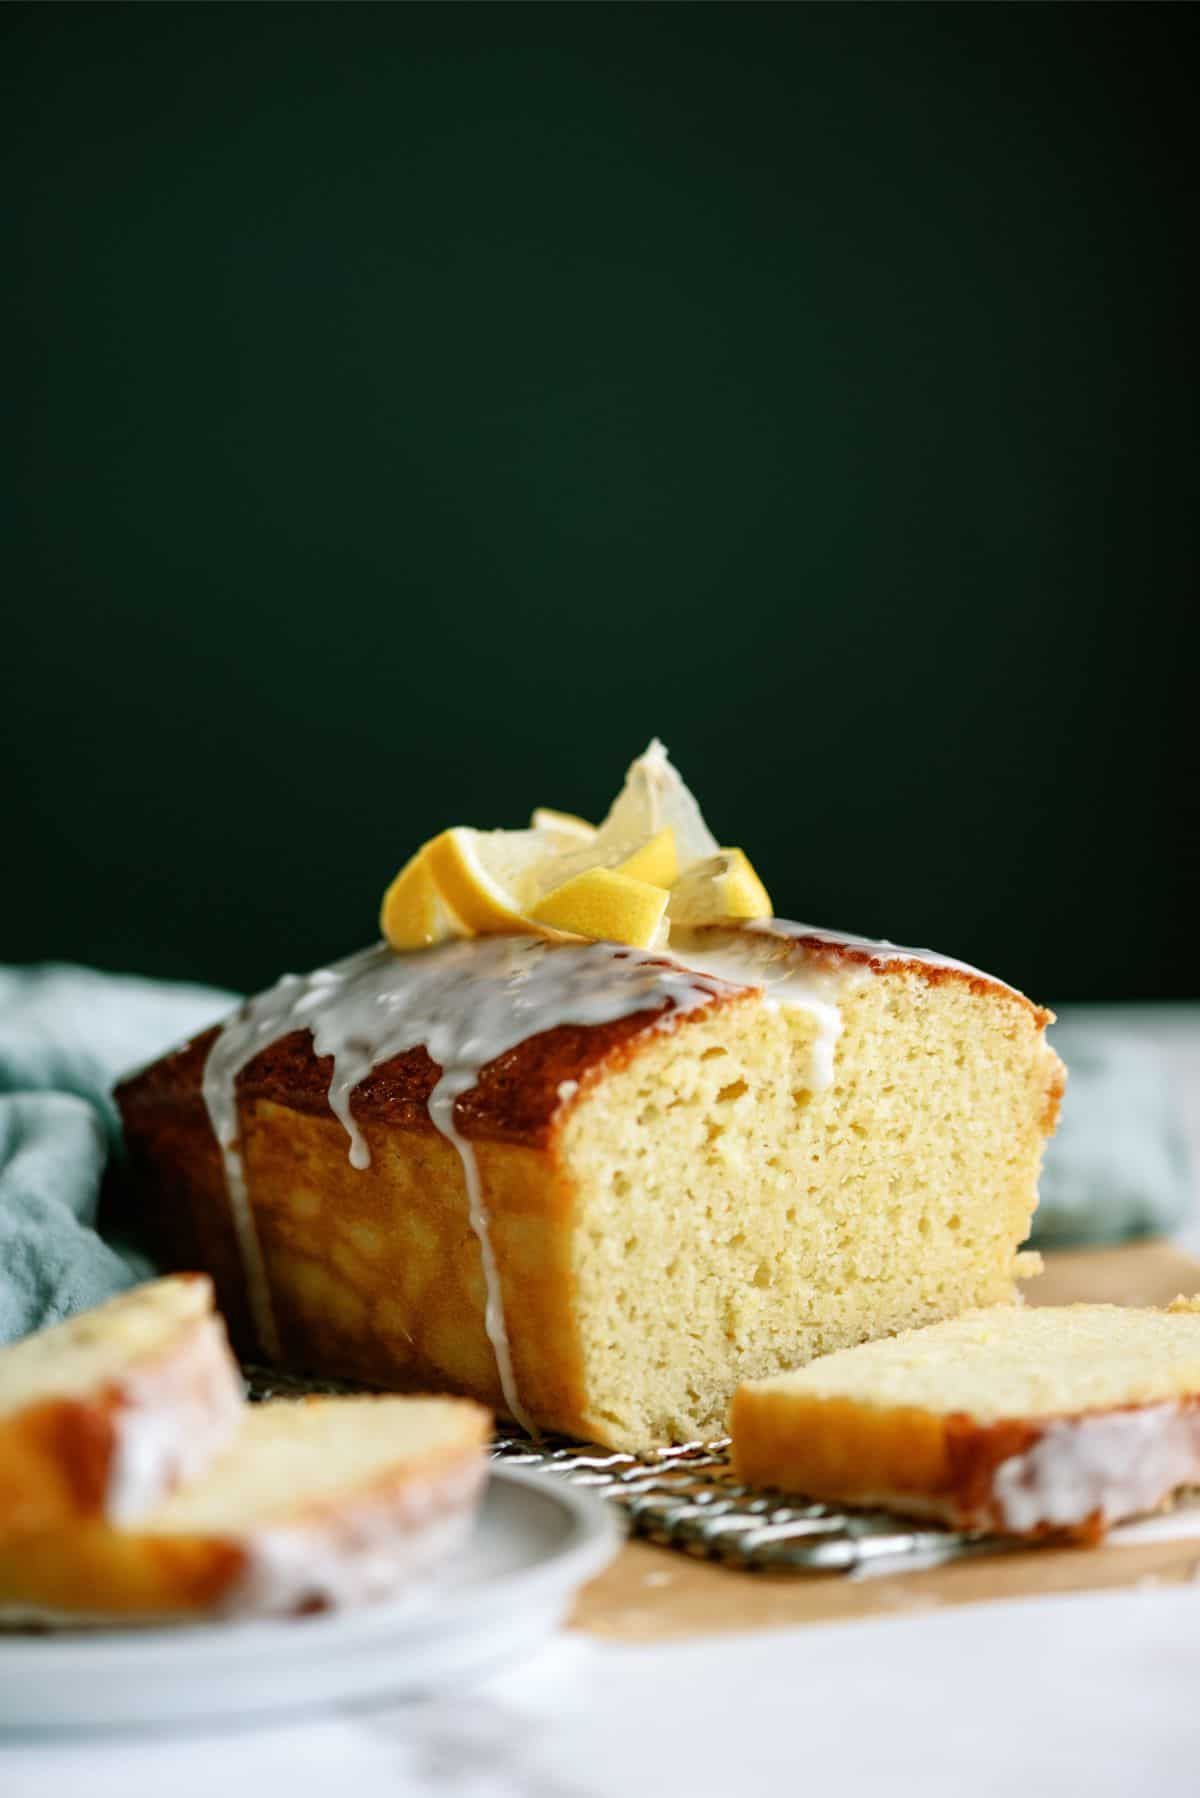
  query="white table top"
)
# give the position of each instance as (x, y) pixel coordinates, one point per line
(1093, 1694)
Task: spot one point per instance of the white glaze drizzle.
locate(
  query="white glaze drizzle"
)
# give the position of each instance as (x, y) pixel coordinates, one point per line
(467, 1003)
(250, 1029)
(1110, 1465)
(357, 1554)
(771, 964)
(879, 948)
(175, 1415)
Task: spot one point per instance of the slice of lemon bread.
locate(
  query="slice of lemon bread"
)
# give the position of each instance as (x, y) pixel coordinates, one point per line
(318, 1503)
(104, 1414)
(1055, 1419)
(596, 1187)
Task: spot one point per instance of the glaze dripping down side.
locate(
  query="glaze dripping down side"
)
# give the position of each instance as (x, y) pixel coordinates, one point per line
(466, 1003)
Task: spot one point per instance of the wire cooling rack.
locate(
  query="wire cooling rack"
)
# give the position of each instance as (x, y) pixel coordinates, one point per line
(688, 1498)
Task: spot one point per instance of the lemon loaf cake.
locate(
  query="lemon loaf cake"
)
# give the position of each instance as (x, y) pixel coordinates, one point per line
(318, 1503)
(597, 1166)
(104, 1414)
(1027, 1421)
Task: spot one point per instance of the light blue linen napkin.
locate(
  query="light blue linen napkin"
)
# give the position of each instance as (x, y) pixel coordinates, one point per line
(1119, 1165)
(66, 1034)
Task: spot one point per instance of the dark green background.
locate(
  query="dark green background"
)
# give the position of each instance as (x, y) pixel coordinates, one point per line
(419, 407)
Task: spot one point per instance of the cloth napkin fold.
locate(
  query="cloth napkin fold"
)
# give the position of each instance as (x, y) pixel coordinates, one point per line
(1118, 1167)
(66, 1035)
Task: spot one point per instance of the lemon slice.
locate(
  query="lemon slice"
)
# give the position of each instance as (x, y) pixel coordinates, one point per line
(412, 915)
(656, 861)
(563, 824)
(472, 883)
(723, 886)
(610, 906)
(488, 878)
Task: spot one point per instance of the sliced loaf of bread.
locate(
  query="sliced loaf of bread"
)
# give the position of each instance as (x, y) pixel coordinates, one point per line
(103, 1415)
(1025, 1421)
(594, 1187)
(318, 1503)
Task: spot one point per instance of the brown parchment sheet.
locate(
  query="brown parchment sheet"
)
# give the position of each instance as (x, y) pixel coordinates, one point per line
(656, 1594)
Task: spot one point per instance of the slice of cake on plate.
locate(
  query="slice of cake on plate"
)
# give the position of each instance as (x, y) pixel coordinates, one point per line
(1027, 1421)
(101, 1416)
(316, 1504)
(593, 1138)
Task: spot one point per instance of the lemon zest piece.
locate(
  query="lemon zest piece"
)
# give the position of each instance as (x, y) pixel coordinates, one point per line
(564, 824)
(656, 861)
(608, 906)
(413, 914)
(723, 886)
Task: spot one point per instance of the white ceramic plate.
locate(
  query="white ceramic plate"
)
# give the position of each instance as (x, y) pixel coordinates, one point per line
(535, 1544)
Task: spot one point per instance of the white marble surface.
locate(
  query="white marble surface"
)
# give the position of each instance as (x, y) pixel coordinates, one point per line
(1095, 1694)
(1091, 1694)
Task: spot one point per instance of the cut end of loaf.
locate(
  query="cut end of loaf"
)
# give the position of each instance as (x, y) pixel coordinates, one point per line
(734, 1219)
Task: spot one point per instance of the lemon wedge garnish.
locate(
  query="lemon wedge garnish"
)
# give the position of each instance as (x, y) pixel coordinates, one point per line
(468, 883)
(653, 862)
(563, 824)
(603, 904)
(414, 915)
(488, 878)
(656, 861)
(653, 798)
(654, 795)
(723, 886)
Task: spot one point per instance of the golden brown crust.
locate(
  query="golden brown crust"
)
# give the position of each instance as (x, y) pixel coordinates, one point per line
(93, 1568)
(838, 1450)
(333, 1316)
(374, 1272)
(884, 959)
(904, 1458)
(515, 1099)
(58, 1455)
(55, 1459)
